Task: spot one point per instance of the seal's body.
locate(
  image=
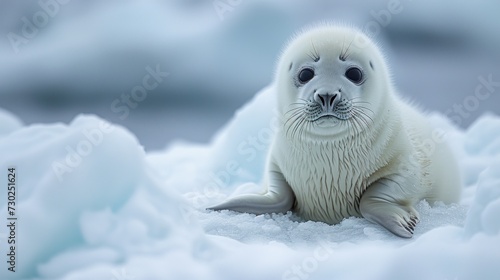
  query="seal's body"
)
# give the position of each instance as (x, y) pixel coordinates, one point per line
(348, 145)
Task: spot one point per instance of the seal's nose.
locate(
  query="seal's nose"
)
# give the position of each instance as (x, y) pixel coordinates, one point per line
(327, 100)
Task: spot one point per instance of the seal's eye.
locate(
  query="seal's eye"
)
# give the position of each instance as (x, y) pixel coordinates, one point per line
(306, 75)
(354, 74)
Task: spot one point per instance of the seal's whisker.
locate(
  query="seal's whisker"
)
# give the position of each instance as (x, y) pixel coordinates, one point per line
(301, 130)
(294, 128)
(363, 114)
(359, 102)
(294, 123)
(304, 126)
(315, 53)
(303, 102)
(294, 115)
(355, 101)
(356, 125)
(297, 107)
(345, 52)
(299, 127)
(365, 110)
(290, 126)
(361, 119)
(362, 107)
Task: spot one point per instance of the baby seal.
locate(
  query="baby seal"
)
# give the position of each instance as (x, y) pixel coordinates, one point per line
(347, 144)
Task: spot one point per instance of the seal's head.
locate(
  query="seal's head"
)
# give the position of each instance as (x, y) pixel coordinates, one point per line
(331, 82)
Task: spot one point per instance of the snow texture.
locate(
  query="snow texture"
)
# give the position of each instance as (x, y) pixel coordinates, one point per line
(93, 205)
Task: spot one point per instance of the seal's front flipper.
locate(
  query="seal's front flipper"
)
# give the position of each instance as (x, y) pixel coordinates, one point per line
(279, 198)
(383, 203)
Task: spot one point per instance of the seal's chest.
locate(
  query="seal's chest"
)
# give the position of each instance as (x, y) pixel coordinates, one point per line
(327, 185)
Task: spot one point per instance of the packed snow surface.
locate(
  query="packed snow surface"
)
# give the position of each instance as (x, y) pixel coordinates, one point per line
(91, 204)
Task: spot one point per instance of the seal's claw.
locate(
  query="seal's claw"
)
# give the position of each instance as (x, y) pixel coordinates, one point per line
(401, 228)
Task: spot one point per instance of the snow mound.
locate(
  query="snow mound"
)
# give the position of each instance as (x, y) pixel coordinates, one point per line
(92, 205)
(483, 142)
(8, 122)
(84, 196)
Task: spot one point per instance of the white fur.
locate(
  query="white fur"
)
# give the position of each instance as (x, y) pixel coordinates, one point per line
(373, 165)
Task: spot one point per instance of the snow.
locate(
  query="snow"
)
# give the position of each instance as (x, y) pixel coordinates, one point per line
(93, 205)
(8, 122)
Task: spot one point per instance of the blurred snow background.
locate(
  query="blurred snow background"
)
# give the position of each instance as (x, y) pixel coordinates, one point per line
(86, 54)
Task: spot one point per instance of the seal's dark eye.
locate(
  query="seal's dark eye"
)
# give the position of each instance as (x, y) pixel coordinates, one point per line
(354, 74)
(306, 75)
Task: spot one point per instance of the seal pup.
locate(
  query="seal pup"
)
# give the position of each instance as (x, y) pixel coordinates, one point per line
(347, 144)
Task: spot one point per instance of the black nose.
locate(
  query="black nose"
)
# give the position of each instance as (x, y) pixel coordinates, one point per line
(327, 100)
